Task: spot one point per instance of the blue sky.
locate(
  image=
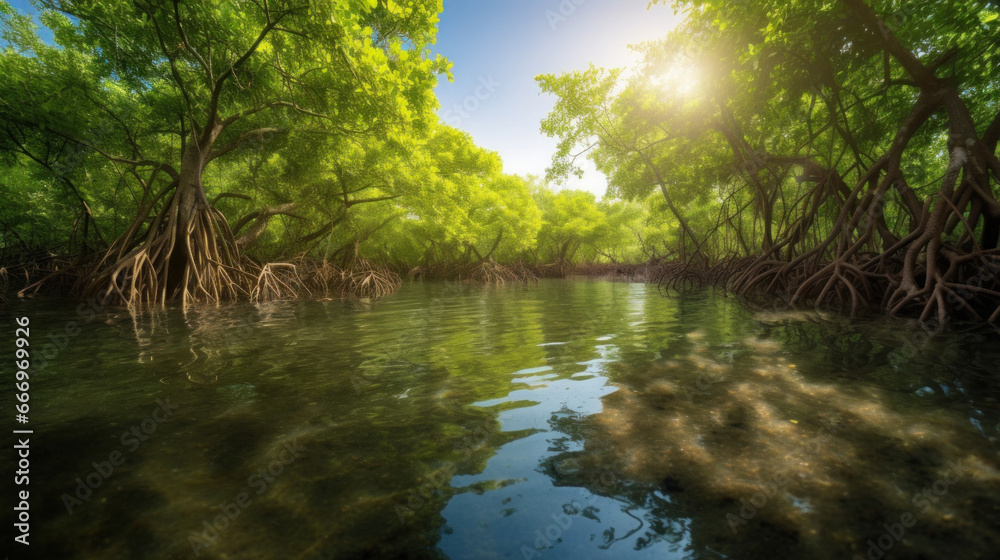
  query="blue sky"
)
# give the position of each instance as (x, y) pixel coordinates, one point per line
(499, 46)
(506, 43)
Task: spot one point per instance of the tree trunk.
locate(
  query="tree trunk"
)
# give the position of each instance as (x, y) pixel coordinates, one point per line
(189, 252)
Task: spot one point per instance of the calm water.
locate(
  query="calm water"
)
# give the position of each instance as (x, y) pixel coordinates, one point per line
(574, 420)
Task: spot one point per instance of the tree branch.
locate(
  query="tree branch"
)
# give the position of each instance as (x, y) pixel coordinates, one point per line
(230, 195)
(206, 66)
(350, 203)
(261, 221)
(213, 108)
(260, 132)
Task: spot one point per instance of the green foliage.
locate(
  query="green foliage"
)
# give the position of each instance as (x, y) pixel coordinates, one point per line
(748, 107)
(745, 129)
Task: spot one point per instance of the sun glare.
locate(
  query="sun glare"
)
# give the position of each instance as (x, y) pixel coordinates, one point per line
(681, 80)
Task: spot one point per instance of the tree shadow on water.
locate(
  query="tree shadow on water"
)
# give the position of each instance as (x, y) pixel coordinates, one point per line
(748, 454)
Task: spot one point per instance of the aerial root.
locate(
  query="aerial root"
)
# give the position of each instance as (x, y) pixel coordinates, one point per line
(276, 281)
(365, 280)
(46, 275)
(963, 291)
(962, 284)
(491, 273)
(192, 263)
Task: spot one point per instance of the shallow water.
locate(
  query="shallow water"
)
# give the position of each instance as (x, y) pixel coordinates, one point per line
(576, 419)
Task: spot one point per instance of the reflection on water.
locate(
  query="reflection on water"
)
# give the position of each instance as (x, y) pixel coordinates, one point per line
(572, 420)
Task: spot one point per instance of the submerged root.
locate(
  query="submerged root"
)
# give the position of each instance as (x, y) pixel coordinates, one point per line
(361, 279)
(371, 282)
(322, 277)
(491, 273)
(312, 278)
(277, 281)
(951, 288)
(681, 278)
(953, 283)
(487, 273)
(434, 272)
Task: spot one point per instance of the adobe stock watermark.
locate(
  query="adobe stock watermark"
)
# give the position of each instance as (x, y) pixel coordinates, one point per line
(703, 384)
(78, 151)
(436, 480)
(58, 340)
(961, 295)
(756, 502)
(605, 479)
(562, 12)
(459, 112)
(132, 440)
(874, 211)
(986, 275)
(230, 511)
(759, 500)
(367, 371)
(895, 531)
(247, 324)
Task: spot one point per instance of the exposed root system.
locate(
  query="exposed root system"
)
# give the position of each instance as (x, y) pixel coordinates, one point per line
(491, 273)
(365, 280)
(187, 255)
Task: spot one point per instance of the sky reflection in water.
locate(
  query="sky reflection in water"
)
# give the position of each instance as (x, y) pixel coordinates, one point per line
(572, 420)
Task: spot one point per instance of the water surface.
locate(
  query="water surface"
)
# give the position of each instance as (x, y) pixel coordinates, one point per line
(576, 420)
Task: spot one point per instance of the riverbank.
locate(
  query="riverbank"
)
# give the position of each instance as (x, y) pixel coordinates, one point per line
(975, 301)
(40, 273)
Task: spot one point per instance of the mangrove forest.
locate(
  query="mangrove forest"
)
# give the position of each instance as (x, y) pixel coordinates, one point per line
(450, 279)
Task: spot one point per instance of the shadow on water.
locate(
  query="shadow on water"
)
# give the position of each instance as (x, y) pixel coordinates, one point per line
(573, 420)
(814, 439)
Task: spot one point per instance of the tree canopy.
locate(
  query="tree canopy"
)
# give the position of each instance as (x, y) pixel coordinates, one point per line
(828, 152)
(849, 148)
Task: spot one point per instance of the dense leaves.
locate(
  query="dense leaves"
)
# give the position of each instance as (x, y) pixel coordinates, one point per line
(290, 129)
(849, 145)
(848, 148)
